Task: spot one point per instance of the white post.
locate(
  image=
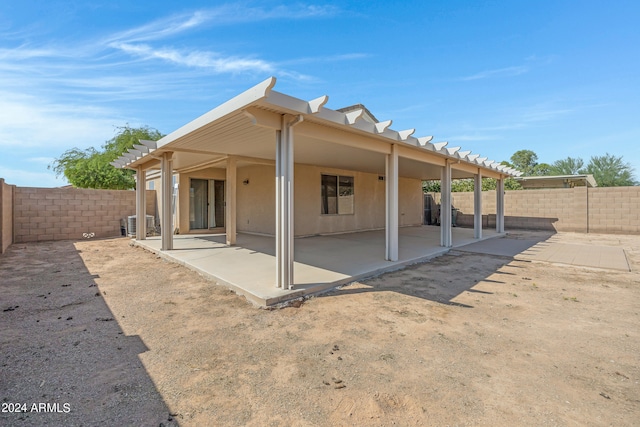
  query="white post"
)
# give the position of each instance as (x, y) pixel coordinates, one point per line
(477, 206)
(230, 201)
(445, 206)
(500, 205)
(284, 203)
(166, 176)
(141, 205)
(391, 227)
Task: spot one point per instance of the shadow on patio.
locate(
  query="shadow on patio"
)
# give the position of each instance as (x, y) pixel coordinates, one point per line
(321, 262)
(461, 270)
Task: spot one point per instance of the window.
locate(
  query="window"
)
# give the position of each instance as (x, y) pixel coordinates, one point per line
(337, 195)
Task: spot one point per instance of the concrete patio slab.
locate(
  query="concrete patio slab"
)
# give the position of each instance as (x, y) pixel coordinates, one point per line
(551, 248)
(593, 256)
(500, 247)
(321, 262)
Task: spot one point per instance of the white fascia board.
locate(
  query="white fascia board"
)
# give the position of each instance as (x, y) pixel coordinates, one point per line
(254, 94)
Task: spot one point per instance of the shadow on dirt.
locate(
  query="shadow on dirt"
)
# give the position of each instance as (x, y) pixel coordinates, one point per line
(62, 347)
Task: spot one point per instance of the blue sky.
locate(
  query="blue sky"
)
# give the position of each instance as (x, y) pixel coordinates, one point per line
(561, 78)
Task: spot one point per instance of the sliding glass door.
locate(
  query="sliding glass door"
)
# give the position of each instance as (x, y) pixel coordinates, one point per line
(206, 204)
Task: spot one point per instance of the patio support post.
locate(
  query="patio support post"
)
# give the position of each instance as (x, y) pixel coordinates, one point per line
(141, 205)
(500, 205)
(166, 176)
(284, 202)
(445, 205)
(477, 205)
(391, 226)
(230, 201)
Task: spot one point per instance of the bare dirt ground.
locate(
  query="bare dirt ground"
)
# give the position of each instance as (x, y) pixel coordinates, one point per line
(125, 338)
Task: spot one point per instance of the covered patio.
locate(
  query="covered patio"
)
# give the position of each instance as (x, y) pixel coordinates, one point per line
(266, 163)
(322, 262)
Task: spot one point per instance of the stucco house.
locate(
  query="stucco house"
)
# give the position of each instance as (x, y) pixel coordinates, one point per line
(271, 164)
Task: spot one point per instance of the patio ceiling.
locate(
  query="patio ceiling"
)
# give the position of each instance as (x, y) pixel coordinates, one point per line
(246, 127)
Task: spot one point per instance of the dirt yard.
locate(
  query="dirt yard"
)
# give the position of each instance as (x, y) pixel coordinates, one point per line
(109, 334)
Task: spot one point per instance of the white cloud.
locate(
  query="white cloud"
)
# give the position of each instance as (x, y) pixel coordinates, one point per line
(209, 60)
(500, 72)
(222, 15)
(31, 122)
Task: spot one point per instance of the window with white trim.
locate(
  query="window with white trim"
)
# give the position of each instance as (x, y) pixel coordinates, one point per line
(337, 195)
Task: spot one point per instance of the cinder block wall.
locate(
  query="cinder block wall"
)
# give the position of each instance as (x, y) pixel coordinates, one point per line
(6, 215)
(612, 210)
(66, 213)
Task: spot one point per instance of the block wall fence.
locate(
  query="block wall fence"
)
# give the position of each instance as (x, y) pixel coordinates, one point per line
(31, 214)
(609, 210)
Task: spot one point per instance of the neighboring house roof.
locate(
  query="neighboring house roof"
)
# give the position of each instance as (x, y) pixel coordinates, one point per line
(557, 181)
(366, 116)
(353, 139)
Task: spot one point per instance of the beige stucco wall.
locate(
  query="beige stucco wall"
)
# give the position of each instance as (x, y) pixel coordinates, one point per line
(6, 215)
(66, 213)
(256, 201)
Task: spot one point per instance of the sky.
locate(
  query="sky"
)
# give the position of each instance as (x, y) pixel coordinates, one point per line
(560, 78)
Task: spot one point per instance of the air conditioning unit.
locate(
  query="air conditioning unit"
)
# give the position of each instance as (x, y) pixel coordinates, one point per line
(131, 225)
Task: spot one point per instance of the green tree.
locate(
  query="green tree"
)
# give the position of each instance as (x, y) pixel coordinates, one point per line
(610, 171)
(542, 169)
(568, 166)
(525, 161)
(91, 168)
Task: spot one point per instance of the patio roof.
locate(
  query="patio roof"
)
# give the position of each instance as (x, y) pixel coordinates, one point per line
(244, 127)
